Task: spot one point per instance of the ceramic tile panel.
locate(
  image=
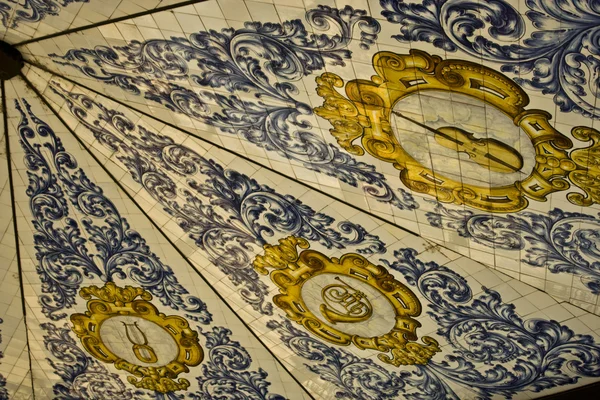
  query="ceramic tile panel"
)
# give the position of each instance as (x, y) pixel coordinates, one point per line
(362, 199)
(307, 152)
(290, 87)
(23, 20)
(15, 378)
(114, 310)
(353, 306)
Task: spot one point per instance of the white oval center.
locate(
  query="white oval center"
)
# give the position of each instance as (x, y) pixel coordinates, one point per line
(160, 344)
(381, 320)
(436, 109)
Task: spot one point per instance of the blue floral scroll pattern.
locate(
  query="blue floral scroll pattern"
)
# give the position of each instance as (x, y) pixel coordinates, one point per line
(82, 377)
(5, 12)
(491, 350)
(225, 375)
(354, 377)
(252, 212)
(560, 241)
(259, 65)
(31, 10)
(561, 57)
(52, 182)
(64, 258)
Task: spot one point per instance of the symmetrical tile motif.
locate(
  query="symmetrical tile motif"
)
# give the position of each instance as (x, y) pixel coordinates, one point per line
(81, 238)
(468, 309)
(220, 173)
(247, 80)
(545, 36)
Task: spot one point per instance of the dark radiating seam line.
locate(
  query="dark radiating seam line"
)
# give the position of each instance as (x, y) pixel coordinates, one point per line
(109, 21)
(16, 230)
(242, 156)
(124, 190)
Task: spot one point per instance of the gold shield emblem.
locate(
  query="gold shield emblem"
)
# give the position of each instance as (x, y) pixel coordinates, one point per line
(347, 300)
(123, 327)
(490, 175)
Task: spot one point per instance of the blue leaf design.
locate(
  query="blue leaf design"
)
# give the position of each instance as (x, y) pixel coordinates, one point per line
(521, 355)
(491, 350)
(560, 241)
(259, 65)
(82, 377)
(355, 378)
(32, 10)
(560, 57)
(240, 212)
(226, 375)
(62, 251)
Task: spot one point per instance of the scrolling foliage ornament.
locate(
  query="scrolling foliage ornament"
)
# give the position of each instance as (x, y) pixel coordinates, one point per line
(365, 113)
(292, 270)
(112, 301)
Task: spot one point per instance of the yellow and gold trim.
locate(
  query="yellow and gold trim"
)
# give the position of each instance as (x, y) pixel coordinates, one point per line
(364, 112)
(290, 271)
(111, 301)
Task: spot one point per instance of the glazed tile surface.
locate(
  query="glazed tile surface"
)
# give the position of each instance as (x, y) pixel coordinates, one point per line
(241, 199)
(25, 19)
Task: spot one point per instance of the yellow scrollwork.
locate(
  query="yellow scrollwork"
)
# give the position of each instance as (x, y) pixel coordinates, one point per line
(365, 113)
(290, 271)
(112, 301)
(587, 174)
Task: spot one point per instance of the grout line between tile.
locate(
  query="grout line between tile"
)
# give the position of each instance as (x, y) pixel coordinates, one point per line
(109, 21)
(15, 227)
(242, 156)
(165, 236)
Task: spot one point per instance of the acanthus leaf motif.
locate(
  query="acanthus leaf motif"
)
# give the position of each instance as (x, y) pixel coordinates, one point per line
(64, 255)
(259, 66)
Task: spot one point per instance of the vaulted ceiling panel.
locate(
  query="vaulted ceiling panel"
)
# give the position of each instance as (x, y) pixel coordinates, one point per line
(367, 200)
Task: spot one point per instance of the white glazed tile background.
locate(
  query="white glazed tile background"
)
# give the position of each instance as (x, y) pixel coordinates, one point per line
(529, 302)
(536, 293)
(279, 379)
(213, 15)
(14, 364)
(52, 16)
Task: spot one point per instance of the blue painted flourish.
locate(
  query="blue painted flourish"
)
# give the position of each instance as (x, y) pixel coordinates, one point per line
(560, 241)
(354, 377)
(82, 377)
(259, 65)
(225, 375)
(64, 261)
(5, 12)
(561, 57)
(62, 251)
(241, 212)
(493, 351)
(31, 10)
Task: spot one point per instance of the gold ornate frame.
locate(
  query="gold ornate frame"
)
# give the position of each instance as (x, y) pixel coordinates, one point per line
(290, 271)
(365, 114)
(115, 301)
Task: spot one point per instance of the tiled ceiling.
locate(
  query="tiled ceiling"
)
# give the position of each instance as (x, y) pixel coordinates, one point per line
(354, 199)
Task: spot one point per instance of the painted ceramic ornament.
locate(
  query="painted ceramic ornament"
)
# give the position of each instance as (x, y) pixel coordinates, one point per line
(347, 300)
(486, 150)
(123, 327)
